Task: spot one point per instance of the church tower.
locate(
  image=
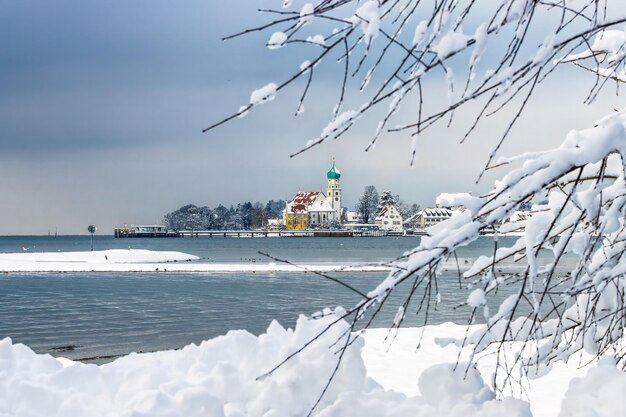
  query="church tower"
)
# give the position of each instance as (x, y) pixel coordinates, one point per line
(333, 192)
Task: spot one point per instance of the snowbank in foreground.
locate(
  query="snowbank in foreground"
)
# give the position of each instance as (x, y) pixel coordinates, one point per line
(219, 378)
(394, 365)
(600, 393)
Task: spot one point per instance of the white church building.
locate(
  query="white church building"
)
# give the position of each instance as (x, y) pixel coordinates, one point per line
(309, 209)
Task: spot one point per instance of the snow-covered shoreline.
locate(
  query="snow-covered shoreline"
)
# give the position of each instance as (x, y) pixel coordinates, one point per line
(109, 256)
(142, 260)
(191, 268)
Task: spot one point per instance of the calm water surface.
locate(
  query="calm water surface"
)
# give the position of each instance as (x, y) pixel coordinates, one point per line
(98, 316)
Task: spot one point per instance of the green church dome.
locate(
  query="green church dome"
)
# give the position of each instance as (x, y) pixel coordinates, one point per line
(334, 173)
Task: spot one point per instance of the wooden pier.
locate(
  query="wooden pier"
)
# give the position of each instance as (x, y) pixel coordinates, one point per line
(290, 233)
(265, 233)
(126, 233)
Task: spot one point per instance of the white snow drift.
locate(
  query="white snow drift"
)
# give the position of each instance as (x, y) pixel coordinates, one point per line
(141, 260)
(225, 377)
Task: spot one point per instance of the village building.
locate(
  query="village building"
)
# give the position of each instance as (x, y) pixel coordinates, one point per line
(353, 217)
(311, 209)
(274, 224)
(389, 219)
(431, 216)
(410, 223)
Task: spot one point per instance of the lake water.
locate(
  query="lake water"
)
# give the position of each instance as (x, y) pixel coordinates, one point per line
(98, 316)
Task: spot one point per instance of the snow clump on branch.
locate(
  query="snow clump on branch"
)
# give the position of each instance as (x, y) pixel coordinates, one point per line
(369, 18)
(306, 14)
(277, 40)
(451, 43)
(263, 94)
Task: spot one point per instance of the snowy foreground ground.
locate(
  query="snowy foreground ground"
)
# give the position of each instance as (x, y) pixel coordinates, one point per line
(224, 377)
(141, 260)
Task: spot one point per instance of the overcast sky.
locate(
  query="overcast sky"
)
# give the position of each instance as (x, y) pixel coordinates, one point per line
(102, 104)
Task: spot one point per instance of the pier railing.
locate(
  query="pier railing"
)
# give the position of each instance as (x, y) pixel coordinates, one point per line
(124, 233)
(264, 233)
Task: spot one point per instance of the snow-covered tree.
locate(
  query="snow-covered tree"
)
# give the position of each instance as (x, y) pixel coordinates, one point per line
(189, 217)
(386, 53)
(386, 199)
(406, 210)
(245, 216)
(367, 204)
(274, 208)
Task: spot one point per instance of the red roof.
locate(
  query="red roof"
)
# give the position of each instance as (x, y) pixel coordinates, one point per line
(302, 200)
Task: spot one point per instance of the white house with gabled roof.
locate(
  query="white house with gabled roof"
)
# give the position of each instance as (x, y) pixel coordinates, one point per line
(389, 219)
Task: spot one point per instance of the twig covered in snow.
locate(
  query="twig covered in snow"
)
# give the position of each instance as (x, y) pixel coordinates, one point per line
(401, 44)
(388, 49)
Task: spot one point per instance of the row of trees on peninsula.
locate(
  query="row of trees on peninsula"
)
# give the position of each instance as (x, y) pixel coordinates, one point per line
(250, 215)
(242, 216)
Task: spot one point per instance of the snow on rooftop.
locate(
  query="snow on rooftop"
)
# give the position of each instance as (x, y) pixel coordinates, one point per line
(306, 197)
(303, 200)
(436, 212)
(320, 206)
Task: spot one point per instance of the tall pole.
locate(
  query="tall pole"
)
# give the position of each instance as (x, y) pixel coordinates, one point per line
(92, 229)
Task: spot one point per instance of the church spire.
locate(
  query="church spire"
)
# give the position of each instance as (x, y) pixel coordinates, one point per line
(334, 173)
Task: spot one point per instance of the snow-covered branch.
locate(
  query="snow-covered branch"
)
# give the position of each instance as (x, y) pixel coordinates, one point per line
(385, 52)
(389, 48)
